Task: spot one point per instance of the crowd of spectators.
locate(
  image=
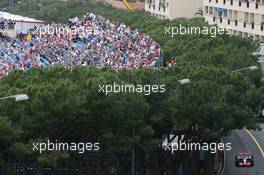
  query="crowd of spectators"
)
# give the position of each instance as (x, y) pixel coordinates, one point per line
(105, 44)
(6, 24)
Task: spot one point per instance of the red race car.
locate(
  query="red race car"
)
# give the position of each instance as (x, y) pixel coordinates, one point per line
(244, 159)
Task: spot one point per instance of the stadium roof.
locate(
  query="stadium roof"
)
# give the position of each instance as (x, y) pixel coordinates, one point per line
(18, 18)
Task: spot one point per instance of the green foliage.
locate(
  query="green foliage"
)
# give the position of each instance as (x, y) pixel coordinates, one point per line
(51, 159)
(7, 131)
(65, 104)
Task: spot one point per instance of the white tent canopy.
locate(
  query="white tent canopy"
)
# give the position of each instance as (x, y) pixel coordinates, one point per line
(23, 24)
(17, 18)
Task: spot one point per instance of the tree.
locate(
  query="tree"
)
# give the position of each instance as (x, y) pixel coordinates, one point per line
(66, 105)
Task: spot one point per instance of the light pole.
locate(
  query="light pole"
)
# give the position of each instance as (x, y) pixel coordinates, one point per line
(184, 81)
(19, 97)
(251, 68)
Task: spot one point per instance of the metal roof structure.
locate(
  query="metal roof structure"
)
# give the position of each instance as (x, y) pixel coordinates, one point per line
(18, 18)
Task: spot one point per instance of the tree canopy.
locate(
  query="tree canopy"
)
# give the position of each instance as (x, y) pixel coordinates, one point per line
(66, 105)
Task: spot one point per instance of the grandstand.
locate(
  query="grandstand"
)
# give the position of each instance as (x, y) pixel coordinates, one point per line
(108, 44)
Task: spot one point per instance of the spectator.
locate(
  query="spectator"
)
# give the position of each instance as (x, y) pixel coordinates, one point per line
(6, 24)
(107, 44)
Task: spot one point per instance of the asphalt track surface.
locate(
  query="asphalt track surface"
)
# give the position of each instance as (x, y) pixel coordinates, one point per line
(245, 141)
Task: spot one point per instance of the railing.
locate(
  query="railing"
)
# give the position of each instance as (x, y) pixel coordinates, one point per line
(239, 2)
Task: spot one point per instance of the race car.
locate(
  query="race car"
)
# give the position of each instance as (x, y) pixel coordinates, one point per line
(244, 159)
